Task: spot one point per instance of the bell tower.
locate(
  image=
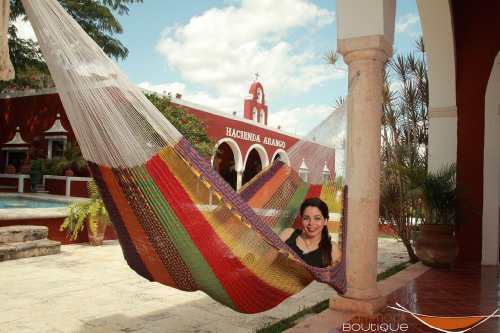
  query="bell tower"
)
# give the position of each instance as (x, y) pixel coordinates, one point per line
(255, 104)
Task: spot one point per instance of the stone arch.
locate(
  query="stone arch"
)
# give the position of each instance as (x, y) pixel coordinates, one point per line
(280, 153)
(228, 160)
(235, 148)
(256, 155)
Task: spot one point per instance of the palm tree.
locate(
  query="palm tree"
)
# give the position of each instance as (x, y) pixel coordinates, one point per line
(404, 142)
(71, 159)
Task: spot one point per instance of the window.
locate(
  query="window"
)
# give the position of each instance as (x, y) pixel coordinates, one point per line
(16, 158)
(56, 148)
(259, 96)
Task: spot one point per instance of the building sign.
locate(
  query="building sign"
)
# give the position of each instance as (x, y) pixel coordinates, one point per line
(274, 142)
(249, 136)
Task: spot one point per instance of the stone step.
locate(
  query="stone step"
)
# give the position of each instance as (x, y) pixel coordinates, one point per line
(22, 233)
(31, 248)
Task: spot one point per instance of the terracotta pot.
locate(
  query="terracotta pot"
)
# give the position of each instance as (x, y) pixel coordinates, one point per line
(436, 245)
(24, 169)
(10, 169)
(98, 238)
(69, 173)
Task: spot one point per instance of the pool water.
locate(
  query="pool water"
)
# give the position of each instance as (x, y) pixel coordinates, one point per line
(13, 203)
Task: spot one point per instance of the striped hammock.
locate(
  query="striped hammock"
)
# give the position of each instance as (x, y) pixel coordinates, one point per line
(178, 222)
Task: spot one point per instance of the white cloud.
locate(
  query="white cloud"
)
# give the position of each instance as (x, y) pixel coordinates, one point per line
(408, 23)
(224, 47)
(300, 120)
(224, 103)
(173, 88)
(24, 29)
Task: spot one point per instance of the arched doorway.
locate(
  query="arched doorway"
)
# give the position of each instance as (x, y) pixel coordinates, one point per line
(224, 163)
(282, 155)
(253, 166)
(255, 161)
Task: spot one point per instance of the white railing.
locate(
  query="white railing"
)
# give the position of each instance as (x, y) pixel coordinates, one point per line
(20, 181)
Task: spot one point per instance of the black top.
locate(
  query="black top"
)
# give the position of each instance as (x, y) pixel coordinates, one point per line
(313, 258)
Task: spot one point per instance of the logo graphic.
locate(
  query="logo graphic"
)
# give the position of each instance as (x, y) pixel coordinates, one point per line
(448, 324)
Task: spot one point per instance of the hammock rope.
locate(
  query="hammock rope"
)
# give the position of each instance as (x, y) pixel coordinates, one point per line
(178, 222)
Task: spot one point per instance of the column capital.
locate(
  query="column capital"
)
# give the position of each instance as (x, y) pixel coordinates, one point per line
(366, 47)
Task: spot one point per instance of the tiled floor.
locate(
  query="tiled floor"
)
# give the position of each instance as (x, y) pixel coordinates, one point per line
(92, 290)
(465, 290)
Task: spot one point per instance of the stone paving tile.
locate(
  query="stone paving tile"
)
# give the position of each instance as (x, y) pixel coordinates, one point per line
(91, 289)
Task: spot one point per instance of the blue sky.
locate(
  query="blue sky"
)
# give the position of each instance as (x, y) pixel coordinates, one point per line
(209, 51)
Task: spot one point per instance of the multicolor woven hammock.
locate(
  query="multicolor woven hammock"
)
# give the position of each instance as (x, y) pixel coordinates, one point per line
(177, 220)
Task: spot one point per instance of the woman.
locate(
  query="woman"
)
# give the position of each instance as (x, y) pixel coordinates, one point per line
(313, 243)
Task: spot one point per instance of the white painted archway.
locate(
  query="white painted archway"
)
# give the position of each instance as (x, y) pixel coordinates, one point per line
(238, 156)
(262, 154)
(283, 156)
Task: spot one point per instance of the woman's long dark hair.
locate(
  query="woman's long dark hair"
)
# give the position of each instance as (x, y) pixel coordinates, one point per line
(325, 244)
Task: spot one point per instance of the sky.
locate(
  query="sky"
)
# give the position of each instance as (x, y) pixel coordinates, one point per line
(210, 50)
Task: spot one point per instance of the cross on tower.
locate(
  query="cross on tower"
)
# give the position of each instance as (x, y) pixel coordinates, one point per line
(256, 77)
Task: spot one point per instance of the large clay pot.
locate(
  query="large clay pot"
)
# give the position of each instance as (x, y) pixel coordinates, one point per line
(10, 170)
(98, 238)
(436, 245)
(24, 169)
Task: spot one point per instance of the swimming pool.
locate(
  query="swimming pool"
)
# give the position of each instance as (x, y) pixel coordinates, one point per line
(14, 203)
(45, 210)
(21, 206)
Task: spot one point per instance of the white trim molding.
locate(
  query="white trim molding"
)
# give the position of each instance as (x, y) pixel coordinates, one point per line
(443, 112)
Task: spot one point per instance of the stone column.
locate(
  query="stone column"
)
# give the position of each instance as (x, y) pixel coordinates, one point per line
(239, 179)
(365, 57)
(6, 68)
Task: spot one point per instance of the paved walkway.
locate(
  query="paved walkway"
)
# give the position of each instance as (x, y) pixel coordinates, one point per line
(91, 289)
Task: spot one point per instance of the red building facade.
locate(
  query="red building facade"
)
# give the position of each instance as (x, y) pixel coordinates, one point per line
(244, 145)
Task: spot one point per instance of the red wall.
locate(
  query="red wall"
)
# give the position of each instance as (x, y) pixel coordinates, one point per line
(14, 182)
(477, 38)
(216, 128)
(34, 115)
(58, 187)
(54, 234)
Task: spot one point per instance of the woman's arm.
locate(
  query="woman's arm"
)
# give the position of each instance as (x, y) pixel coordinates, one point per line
(336, 253)
(286, 233)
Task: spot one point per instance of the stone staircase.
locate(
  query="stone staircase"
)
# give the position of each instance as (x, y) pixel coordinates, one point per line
(23, 241)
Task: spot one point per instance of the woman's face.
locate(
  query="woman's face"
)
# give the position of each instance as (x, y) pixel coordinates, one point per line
(312, 222)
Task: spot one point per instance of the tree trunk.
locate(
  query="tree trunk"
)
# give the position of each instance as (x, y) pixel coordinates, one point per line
(411, 252)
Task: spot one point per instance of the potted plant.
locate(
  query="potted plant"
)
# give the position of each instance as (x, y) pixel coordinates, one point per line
(436, 245)
(90, 214)
(38, 167)
(70, 161)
